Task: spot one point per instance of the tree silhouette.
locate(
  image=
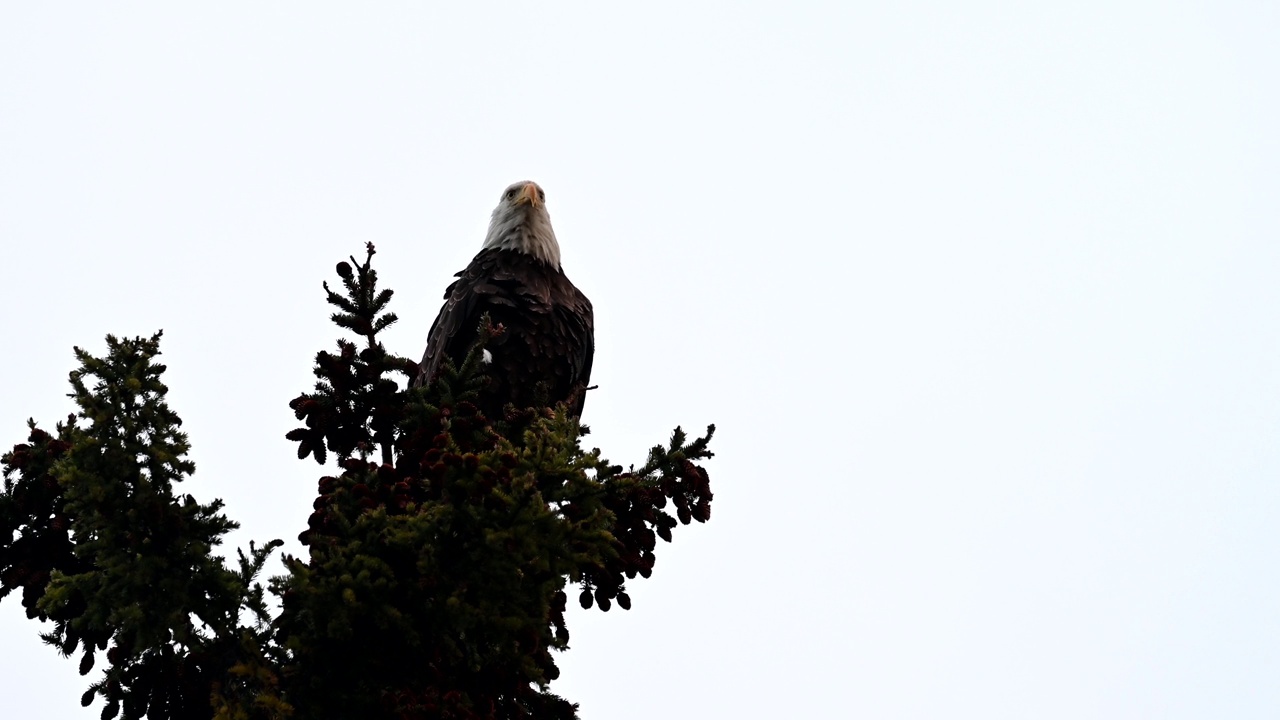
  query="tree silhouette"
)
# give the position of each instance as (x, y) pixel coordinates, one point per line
(440, 553)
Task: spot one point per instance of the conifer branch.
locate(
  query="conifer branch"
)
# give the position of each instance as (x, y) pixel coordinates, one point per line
(109, 553)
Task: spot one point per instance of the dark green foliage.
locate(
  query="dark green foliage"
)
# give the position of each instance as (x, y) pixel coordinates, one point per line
(103, 548)
(440, 556)
(356, 405)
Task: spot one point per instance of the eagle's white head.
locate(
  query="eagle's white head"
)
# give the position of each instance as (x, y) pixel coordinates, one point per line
(520, 222)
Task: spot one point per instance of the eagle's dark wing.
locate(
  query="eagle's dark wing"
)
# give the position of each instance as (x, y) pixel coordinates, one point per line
(578, 321)
(455, 329)
(554, 325)
(543, 356)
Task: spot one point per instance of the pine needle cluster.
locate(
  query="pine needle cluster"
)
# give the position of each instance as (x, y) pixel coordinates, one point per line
(440, 557)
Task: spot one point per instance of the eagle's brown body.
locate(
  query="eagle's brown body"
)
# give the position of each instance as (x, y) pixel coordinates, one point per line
(544, 354)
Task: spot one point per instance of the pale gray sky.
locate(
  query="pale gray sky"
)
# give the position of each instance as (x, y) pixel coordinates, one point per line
(984, 302)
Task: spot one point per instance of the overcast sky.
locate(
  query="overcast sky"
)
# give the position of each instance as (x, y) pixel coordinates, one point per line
(985, 303)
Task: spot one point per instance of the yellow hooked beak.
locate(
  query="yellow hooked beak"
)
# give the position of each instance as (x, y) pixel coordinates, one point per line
(529, 194)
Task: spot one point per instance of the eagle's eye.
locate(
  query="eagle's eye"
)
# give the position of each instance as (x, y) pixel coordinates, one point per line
(542, 196)
(511, 193)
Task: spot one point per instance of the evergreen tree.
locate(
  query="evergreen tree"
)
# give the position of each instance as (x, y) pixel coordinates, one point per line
(440, 557)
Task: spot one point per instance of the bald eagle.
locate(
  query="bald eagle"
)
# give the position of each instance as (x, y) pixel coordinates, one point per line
(543, 357)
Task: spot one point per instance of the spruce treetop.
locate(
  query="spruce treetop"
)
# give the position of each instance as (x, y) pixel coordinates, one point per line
(440, 554)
